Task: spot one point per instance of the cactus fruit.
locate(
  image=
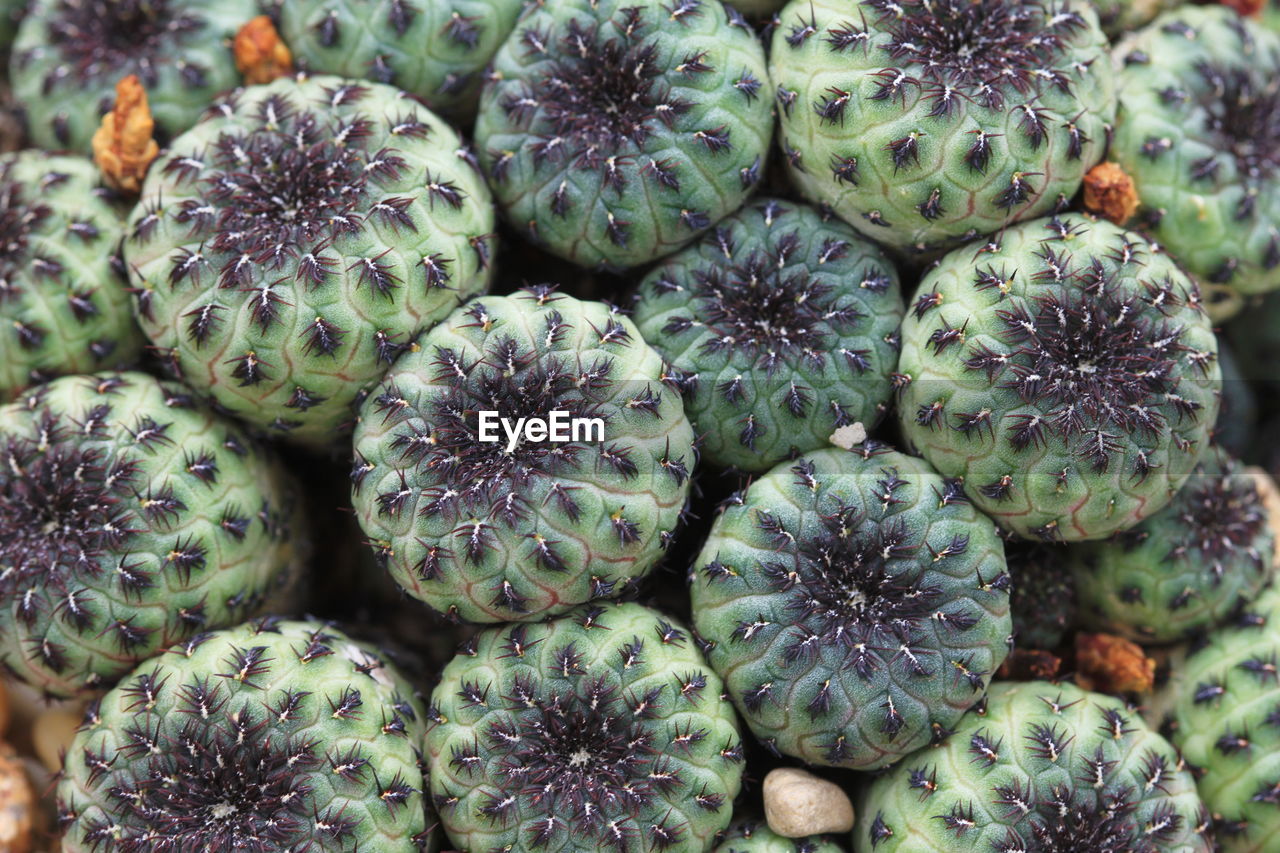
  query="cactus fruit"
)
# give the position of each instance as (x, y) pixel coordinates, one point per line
(614, 132)
(601, 730)
(1066, 372)
(1043, 601)
(290, 246)
(1186, 569)
(783, 325)
(1221, 708)
(1199, 132)
(855, 605)
(1042, 767)
(69, 54)
(130, 519)
(64, 304)
(487, 527)
(271, 736)
(929, 122)
(755, 836)
(435, 50)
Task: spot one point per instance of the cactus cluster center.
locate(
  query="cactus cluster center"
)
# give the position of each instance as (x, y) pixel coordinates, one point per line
(1246, 117)
(1223, 515)
(102, 34)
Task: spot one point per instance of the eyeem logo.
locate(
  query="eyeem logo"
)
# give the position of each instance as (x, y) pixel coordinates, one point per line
(558, 427)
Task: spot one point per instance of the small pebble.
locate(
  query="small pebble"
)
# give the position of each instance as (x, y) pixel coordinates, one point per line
(797, 803)
(17, 803)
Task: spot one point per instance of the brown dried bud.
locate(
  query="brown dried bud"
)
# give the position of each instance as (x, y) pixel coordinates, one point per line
(123, 146)
(1109, 192)
(1247, 8)
(17, 804)
(260, 54)
(1111, 664)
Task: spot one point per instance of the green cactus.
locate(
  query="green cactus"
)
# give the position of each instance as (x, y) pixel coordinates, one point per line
(270, 736)
(613, 132)
(1221, 707)
(924, 124)
(130, 519)
(69, 54)
(1199, 132)
(64, 303)
(855, 605)
(1043, 767)
(1186, 569)
(1237, 423)
(290, 246)
(1043, 602)
(1119, 17)
(783, 324)
(1066, 372)
(489, 528)
(603, 729)
(435, 50)
(755, 836)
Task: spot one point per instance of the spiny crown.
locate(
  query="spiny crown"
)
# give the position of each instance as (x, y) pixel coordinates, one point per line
(97, 38)
(601, 93)
(983, 50)
(1244, 113)
(766, 303)
(1095, 358)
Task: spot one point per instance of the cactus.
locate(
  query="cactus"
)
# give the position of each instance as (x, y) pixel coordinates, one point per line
(855, 605)
(784, 326)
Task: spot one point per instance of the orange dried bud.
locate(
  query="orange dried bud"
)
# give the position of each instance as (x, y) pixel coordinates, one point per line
(1111, 664)
(1247, 8)
(1030, 665)
(260, 54)
(1109, 192)
(123, 146)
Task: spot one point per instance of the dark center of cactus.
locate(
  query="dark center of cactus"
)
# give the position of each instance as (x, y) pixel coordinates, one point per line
(982, 48)
(99, 37)
(231, 784)
(1221, 515)
(1244, 113)
(1065, 826)
(59, 510)
(581, 754)
(601, 92)
(19, 217)
(287, 186)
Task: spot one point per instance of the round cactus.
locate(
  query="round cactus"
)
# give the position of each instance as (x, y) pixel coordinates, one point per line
(483, 519)
(435, 50)
(130, 519)
(64, 304)
(289, 247)
(603, 729)
(1066, 372)
(615, 131)
(1044, 767)
(269, 736)
(755, 836)
(924, 124)
(784, 327)
(1199, 132)
(1222, 716)
(1186, 569)
(69, 55)
(854, 604)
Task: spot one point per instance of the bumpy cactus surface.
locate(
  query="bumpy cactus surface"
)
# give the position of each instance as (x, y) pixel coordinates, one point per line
(64, 304)
(130, 519)
(601, 730)
(487, 521)
(436, 50)
(615, 131)
(1066, 371)
(269, 736)
(1186, 569)
(291, 245)
(855, 605)
(927, 123)
(755, 836)
(1044, 767)
(1222, 716)
(69, 55)
(783, 326)
(1199, 132)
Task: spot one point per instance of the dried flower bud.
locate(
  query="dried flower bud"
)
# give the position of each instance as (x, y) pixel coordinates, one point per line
(1109, 192)
(1110, 664)
(124, 145)
(260, 54)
